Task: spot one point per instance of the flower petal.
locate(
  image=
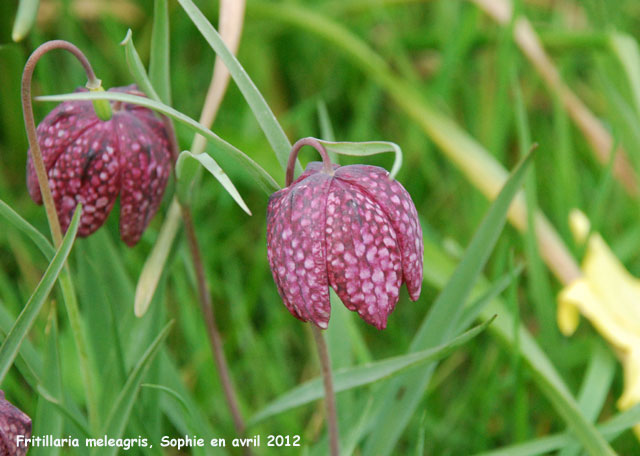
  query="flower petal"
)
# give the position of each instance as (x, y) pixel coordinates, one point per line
(396, 203)
(363, 258)
(145, 162)
(296, 248)
(57, 131)
(86, 173)
(13, 422)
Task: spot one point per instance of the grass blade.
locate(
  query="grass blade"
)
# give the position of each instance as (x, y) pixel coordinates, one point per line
(272, 129)
(25, 19)
(185, 171)
(24, 322)
(134, 63)
(263, 178)
(353, 377)
(159, 58)
(22, 225)
(361, 149)
(610, 429)
(119, 415)
(48, 420)
(153, 266)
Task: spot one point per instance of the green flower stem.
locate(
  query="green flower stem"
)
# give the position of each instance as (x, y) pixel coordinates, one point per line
(66, 284)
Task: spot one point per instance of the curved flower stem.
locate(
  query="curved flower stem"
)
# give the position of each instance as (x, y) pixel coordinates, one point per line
(209, 318)
(293, 155)
(329, 395)
(206, 305)
(29, 121)
(66, 284)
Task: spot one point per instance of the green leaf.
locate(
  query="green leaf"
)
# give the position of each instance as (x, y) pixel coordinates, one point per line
(441, 321)
(263, 178)
(24, 322)
(594, 389)
(59, 406)
(625, 48)
(159, 58)
(48, 420)
(610, 429)
(119, 415)
(155, 262)
(21, 224)
(353, 377)
(25, 19)
(185, 172)
(137, 68)
(272, 129)
(475, 309)
(170, 392)
(360, 149)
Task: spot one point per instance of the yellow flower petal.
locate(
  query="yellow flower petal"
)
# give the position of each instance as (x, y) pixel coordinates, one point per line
(581, 295)
(568, 314)
(609, 297)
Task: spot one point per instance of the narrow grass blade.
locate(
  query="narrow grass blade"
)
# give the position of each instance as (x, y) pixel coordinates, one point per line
(136, 68)
(48, 420)
(185, 172)
(543, 299)
(159, 58)
(71, 416)
(119, 415)
(24, 322)
(25, 19)
(360, 149)
(179, 399)
(153, 266)
(473, 311)
(272, 129)
(626, 49)
(396, 409)
(263, 178)
(594, 389)
(32, 233)
(28, 361)
(345, 379)
(610, 429)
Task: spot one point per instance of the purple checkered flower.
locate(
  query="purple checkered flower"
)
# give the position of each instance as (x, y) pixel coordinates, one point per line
(13, 423)
(91, 161)
(348, 227)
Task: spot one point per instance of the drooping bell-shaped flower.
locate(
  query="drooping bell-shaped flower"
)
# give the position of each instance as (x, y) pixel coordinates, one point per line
(13, 422)
(91, 161)
(348, 227)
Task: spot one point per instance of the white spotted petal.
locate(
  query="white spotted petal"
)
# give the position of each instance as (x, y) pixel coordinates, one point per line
(353, 230)
(397, 205)
(91, 162)
(363, 258)
(296, 248)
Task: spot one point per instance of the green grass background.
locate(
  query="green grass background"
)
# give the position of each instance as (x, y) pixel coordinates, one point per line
(480, 398)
